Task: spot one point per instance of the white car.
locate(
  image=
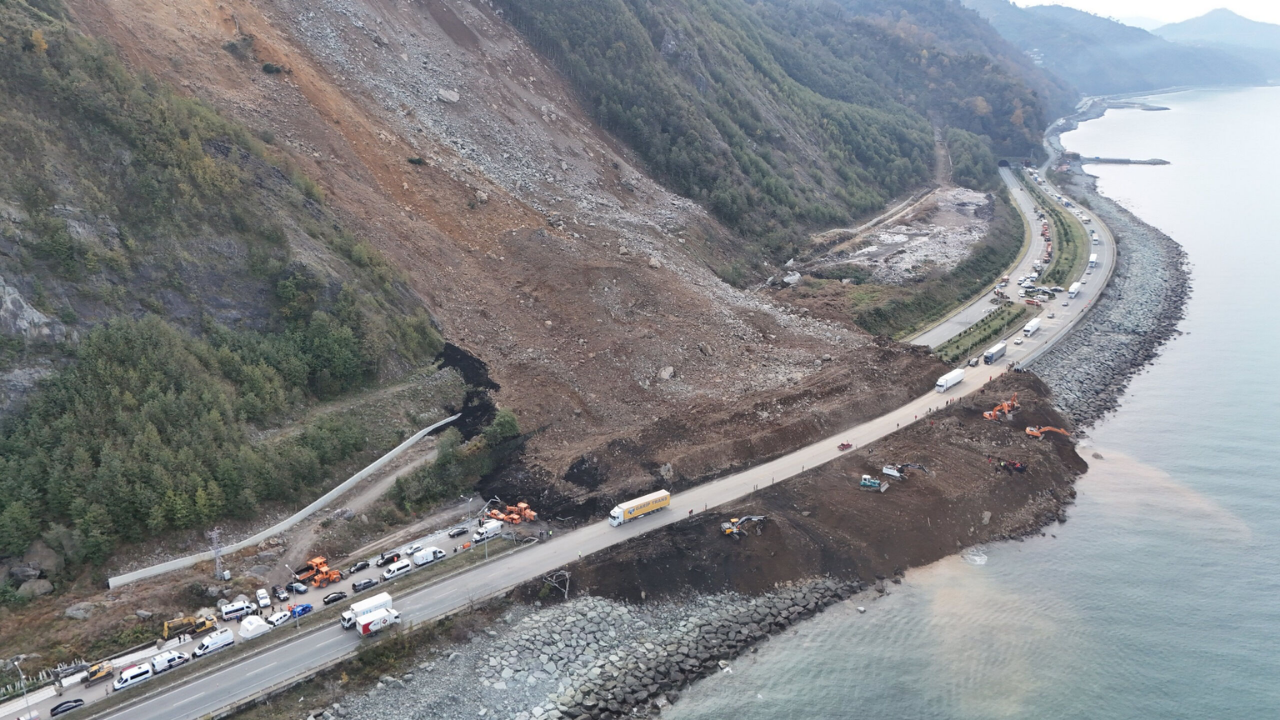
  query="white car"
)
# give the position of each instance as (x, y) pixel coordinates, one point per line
(1017, 341)
(279, 618)
(416, 547)
(264, 600)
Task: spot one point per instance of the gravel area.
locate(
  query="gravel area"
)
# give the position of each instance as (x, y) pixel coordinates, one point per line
(589, 657)
(1136, 315)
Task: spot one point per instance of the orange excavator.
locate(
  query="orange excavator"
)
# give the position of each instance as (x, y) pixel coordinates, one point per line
(1038, 432)
(317, 572)
(515, 514)
(1008, 407)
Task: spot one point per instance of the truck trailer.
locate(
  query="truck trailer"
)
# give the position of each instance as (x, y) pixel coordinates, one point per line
(1074, 290)
(950, 380)
(1030, 328)
(641, 506)
(372, 622)
(381, 601)
(994, 353)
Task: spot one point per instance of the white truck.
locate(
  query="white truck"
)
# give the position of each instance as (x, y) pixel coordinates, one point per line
(490, 529)
(641, 506)
(372, 622)
(1030, 328)
(1093, 260)
(381, 601)
(994, 353)
(950, 380)
(1074, 290)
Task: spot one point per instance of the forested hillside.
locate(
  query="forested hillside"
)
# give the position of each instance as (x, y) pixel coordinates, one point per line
(1100, 56)
(786, 115)
(170, 282)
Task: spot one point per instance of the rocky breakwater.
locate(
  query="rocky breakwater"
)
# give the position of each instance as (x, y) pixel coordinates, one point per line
(1136, 315)
(592, 657)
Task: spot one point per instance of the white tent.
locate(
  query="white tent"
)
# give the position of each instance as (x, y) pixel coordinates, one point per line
(253, 626)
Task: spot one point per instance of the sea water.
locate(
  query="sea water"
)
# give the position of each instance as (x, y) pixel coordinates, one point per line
(1160, 597)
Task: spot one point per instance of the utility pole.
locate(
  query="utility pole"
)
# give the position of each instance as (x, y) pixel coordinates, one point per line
(215, 536)
(23, 680)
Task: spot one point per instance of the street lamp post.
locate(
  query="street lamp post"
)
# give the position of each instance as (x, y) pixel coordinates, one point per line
(22, 679)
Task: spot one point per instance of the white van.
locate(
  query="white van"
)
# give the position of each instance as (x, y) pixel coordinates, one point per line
(218, 639)
(168, 660)
(430, 555)
(397, 569)
(236, 610)
(131, 676)
(490, 529)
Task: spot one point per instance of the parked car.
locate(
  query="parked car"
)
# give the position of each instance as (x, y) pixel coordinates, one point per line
(168, 660)
(388, 557)
(65, 707)
(416, 547)
(131, 676)
(334, 597)
(300, 610)
(362, 565)
(264, 600)
(297, 588)
(362, 585)
(280, 618)
(279, 593)
(458, 531)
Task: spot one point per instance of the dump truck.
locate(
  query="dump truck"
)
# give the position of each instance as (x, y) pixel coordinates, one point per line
(188, 626)
(641, 506)
(375, 621)
(950, 380)
(1030, 328)
(381, 601)
(994, 353)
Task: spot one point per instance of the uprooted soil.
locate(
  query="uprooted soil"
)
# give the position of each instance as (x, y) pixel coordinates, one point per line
(821, 522)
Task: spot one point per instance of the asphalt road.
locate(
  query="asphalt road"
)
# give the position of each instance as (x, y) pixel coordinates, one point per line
(206, 692)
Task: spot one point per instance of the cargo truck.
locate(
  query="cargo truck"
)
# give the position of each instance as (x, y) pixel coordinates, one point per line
(1093, 260)
(950, 380)
(995, 353)
(641, 506)
(381, 601)
(1073, 290)
(1030, 328)
(372, 622)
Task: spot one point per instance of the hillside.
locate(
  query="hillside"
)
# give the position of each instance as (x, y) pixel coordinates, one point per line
(786, 116)
(1223, 30)
(1100, 56)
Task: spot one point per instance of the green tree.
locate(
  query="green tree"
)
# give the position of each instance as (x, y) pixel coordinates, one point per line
(17, 528)
(504, 426)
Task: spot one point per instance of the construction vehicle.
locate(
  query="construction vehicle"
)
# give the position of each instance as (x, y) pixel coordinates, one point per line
(98, 673)
(318, 573)
(1038, 432)
(188, 626)
(1007, 408)
(514, 514)
(873, 484)
(898, 472)
(733, 528)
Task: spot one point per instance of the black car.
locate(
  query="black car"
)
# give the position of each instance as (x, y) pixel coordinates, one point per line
(65, 707)
(334, 597)
(388, 557)
(362, 585)
(362, 565)
(457, 531)
(279, 593)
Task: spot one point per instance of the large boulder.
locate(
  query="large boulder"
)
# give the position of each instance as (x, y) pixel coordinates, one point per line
(80, 611)
(23, 573)
(43, 558)
(35, 588)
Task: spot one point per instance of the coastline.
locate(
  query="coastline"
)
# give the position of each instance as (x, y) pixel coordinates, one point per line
(1136, 315)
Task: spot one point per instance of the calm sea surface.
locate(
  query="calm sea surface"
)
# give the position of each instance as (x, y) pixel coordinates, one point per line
(1160, 598)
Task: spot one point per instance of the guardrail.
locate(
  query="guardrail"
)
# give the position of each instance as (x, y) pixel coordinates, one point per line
(289, 522)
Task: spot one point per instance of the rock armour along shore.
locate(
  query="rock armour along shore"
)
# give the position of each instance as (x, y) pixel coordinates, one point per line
(590, 657)
(1136, 315)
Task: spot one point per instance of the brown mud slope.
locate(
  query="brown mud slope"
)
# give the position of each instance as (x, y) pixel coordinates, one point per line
(821, 523)
(536, 242)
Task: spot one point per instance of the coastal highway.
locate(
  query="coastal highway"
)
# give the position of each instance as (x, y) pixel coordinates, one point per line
(974, 311)
(209, 687)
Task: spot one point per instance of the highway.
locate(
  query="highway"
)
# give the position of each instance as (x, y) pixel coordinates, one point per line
(207, 690)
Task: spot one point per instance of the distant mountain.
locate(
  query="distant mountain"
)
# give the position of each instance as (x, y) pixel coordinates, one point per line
(1101, 56)
(1138, 21)
(1225, 31)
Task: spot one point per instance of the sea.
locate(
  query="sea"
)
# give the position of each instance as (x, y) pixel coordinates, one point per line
(1160, 597)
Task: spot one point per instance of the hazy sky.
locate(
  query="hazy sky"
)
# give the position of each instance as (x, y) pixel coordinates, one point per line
(1169, 10)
